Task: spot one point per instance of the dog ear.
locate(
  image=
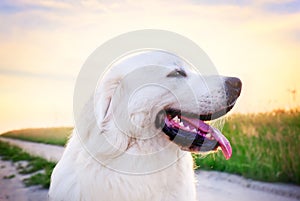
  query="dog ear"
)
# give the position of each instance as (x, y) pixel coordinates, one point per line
(103, 98)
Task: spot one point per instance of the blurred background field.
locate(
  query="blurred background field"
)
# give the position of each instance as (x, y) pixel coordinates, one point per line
(265, 145)
(57, 136)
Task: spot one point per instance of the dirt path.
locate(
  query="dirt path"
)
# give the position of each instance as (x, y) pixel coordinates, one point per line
(13, 189)
(227, 187)
(211, 185)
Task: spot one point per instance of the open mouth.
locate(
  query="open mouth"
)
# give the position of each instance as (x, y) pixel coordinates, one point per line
(191, 133)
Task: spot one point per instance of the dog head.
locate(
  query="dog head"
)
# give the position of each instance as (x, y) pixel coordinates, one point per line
(157, 97)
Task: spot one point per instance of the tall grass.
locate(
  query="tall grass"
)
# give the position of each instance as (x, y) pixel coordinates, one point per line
(265, 147)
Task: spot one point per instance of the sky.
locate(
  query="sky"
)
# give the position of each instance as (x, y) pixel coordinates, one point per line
(44, 44)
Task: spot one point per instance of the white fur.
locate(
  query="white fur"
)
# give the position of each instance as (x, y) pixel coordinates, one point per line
(99, 153)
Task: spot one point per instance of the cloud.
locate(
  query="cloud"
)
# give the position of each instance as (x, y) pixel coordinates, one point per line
(283, 7)
(222, 2)
(273, 6)
(7, 6)
(25, 5)
(13, 7)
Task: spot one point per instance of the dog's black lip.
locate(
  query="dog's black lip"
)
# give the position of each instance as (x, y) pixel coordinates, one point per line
(190, 141)
(204, 117)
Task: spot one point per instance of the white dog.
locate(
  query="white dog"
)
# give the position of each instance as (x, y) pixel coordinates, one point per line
(135, 135)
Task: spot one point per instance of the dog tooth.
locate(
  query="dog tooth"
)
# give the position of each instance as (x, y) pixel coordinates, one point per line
(176, 119)
(187, 128)
(208, 135)
(194, 130)
(181, 124)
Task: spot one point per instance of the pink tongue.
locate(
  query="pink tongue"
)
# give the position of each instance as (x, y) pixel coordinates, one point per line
(224, 143)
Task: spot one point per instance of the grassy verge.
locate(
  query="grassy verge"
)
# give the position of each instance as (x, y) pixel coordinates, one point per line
(265, 147)
(57, 136)
(39, 169)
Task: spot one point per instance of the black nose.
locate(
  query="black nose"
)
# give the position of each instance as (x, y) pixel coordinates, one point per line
(233, 87)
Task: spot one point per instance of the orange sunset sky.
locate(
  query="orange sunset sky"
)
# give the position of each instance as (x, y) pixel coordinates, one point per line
(44, 43)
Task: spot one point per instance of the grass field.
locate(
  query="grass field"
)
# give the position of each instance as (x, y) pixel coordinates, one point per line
(265, 146)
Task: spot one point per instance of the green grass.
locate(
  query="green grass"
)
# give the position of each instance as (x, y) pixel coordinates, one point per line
(265, 147)
(9, 176)
(40, 166)
(57, 136)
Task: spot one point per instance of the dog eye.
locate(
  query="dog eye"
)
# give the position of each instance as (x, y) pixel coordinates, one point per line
(177, 73)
